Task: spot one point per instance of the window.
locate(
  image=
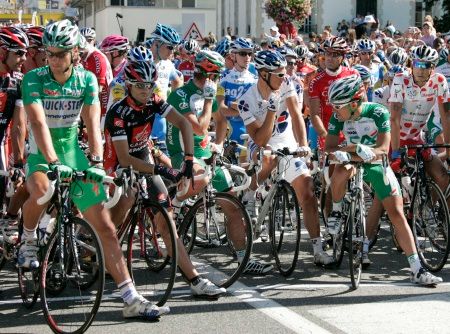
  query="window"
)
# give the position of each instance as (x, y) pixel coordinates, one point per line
(136, 3)
(188, 3)
(99, 4)
(366, 7)
(419, 10)
(117, 2)
(171, 3)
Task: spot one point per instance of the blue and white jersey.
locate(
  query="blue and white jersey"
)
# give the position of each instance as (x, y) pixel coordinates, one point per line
(232, 86)
(376, 76)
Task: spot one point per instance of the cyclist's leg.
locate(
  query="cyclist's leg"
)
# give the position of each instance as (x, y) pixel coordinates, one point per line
(435, 168)
(120, 211)
(373, 217)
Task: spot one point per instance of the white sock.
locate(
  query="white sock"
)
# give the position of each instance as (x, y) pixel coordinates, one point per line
(337, 206)
(317, 245)
(128, 291)
(366, 245)
(29, 235)
(176, 203)
(414, 263)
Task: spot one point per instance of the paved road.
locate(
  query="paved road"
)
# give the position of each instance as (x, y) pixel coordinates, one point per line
(312, 300)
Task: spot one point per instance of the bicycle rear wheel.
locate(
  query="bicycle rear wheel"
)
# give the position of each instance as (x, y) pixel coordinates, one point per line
(285, 228)
(355, 241)
(214, 234)
(70, 297)
(151, 239)
(430, 226)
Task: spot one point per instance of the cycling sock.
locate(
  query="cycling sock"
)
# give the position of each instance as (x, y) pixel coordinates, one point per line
(128, 291)
(317, 245)
(29, 235)
(337, 206)
(366, 245)
(240, 255)
(414, 263)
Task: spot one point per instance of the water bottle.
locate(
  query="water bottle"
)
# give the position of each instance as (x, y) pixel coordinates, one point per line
(45, 229)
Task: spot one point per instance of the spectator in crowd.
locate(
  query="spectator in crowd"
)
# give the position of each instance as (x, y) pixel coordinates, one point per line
(312, 37)
(351, 37)
(438, 44)
(427, 33)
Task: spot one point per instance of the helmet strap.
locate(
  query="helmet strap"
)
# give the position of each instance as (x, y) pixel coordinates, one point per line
(267, 81)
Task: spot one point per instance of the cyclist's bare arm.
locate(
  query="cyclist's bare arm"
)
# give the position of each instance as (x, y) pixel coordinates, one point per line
(261, 134)
(396, 114)
(298, 123)
(176, 83)
(91, 119)
(331, 143)
(41, 132)
(221, 127)
(18, 134)
(127, 160)
(316, 121)
(445, 115)
(185, 127)
(200, 123)
(227, 111)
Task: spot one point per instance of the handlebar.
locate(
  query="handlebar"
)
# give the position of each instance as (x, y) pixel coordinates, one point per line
(183, 185)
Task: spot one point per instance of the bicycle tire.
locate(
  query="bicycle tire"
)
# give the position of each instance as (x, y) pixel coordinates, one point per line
(355, 242)
(339, 242)
(29, 286)
(216, 252)
(56, 293)
(151, 268)
(431, 234)
(288, 220)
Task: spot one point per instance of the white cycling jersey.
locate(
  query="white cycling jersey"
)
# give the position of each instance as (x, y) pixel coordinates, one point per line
(417, 102)
(381, 96)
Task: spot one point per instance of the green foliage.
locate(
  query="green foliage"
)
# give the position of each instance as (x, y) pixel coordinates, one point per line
(288, 10)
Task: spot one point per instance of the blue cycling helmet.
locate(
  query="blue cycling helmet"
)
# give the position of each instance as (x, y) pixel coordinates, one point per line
(363, 71)
(269, 60)
(396, 69)
(241, 44)
(223, 47)
(287, 52)
(140, 53)
(366, 45)
(149, 42)
(166, 34)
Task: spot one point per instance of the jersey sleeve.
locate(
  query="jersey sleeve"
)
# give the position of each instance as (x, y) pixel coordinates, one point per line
(313, 89)
(178, 100)
(115, 124)
(442, 89)
(397, 89)
(335, 126)
(382, 119)
(91, 91)
(221, 88)
(245, 111)
(173, 75)
(162, 107)
(31, 88)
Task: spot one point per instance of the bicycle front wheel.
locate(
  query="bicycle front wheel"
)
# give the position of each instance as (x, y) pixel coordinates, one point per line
(218, 238)
(69, 293)
(355, 241)
(285, 228)
(152, 252)
(430, 225)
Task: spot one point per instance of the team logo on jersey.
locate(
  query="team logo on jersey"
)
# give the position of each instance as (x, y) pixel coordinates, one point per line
(181, 93)
(141, 133)
(3, 97)
(118, 122)
(243, 106)
(183, 105)
(282, 122)
(50, 92)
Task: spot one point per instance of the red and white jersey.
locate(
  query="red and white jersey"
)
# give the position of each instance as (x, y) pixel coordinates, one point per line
(417, 101)
(97, 63)
(187, 69)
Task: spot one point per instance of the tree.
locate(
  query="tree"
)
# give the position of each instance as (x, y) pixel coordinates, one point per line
(442, 24)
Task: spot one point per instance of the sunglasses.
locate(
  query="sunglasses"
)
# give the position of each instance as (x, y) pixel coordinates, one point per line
(278, 75)
(421, 64)
(169, 47)
(291, 63)
(339, 106)
(19, 53)
(333, 54)
(142, 85)
(244, 53)
(59, 55)
(213, 75)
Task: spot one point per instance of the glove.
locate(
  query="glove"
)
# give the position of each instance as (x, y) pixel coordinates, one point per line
(365, 152)
(380, 54)
(396, 165)
(65, 172)
(342, 157)
(273, 102)
(303, 151)
(216, 148)
(95, 174)
(167, 172)
(209, 90)
(187, 168)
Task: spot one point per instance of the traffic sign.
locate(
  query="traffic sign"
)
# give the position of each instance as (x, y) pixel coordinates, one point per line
(193, 33)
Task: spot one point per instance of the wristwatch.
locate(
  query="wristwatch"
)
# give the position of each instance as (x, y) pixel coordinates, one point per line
(95, 159)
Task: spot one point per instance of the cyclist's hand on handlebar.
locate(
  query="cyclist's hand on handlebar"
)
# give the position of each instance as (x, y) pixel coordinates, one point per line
(216, 148)
(303, 151)
(95, 174)
(342, 157)
(365, 152)
(171, 174)
(65, 172)
(17, 174)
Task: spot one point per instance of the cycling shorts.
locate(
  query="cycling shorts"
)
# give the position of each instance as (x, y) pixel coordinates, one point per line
(384, 185)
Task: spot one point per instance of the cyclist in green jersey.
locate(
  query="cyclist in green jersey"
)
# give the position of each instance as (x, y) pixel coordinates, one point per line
(55, 96)
(366, 127)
